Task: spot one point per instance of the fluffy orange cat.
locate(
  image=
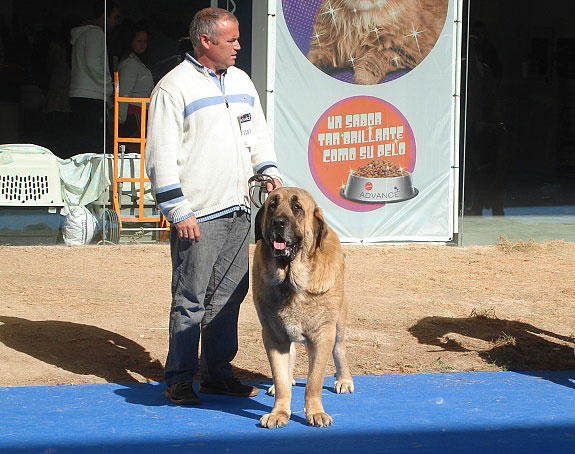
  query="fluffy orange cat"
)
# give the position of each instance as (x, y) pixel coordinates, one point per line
(375, 37)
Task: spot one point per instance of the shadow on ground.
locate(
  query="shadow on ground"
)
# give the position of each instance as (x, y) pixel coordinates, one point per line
(81, 349)
(152, 395)
(515, 346)
(87, 350)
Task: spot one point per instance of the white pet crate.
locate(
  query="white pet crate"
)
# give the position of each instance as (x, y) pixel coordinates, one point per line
(29, 176)
(30, 195)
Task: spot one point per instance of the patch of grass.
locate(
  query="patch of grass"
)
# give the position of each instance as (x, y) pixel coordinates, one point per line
(505, 339)
(504, 353)
(438, 362)
(502, 367)
(508, 338)
(495, 366)
(486, 313)
(500, 359)
(508, 246)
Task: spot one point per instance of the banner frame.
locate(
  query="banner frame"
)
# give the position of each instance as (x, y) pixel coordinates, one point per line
(263, 73)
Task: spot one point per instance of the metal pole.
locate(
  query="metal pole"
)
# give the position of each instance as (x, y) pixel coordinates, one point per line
(466, 66)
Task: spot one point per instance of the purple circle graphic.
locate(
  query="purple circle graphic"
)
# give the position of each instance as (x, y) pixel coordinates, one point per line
(378, 52)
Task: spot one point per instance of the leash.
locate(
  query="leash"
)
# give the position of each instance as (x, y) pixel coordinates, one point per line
(258, 188)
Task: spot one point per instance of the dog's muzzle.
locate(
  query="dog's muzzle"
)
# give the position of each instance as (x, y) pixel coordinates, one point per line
(283, 239)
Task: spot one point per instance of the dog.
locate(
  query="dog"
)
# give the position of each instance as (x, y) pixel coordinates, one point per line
(298, 291)
(375, 37)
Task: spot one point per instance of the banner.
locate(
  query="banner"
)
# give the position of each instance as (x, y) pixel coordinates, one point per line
(364, 113)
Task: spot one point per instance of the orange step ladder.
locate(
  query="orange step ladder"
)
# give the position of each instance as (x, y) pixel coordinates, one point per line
(115, 215)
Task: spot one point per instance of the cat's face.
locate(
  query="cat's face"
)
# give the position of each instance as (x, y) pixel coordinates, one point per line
(364, 5)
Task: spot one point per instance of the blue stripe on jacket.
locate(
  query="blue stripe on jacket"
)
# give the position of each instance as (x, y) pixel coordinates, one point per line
(265, 165)
(168, 204)
(216, 100)
(167, 188)
(169, 196)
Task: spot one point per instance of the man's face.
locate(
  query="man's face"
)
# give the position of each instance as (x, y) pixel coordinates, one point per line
(223, 54)
(113, 18)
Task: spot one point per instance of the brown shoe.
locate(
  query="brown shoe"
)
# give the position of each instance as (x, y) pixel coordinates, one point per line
(229, 387)
(182, 393)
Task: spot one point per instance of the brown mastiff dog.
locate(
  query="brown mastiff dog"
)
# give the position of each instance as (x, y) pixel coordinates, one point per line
(298, 289)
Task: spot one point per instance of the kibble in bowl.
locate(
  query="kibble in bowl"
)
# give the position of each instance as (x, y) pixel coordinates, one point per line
(379, 181)
(380, 169)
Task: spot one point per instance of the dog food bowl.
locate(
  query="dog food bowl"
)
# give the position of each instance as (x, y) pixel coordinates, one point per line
(379, 190)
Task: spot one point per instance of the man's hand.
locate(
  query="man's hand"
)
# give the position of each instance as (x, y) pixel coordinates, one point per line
(188, 229)
(270, 187)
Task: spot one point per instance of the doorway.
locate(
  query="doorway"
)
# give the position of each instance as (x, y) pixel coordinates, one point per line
(519, 175)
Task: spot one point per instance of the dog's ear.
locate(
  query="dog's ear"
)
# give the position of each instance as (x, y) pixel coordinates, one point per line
(258, 224)
(319, 228)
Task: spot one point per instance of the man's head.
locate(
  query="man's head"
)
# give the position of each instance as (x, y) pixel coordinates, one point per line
(106, 12)
(214, 33)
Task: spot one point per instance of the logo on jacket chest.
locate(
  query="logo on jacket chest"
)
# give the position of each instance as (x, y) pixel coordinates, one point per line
(247, 129)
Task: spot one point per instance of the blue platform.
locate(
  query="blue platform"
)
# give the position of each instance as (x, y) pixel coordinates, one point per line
(469, 412)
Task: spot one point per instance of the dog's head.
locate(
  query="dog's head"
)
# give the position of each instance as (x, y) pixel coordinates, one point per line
(289, 222)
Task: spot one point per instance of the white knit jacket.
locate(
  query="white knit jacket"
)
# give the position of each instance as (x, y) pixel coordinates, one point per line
(136, 81)
(196, 158)
(90, 73)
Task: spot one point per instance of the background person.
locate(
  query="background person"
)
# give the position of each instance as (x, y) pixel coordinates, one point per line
(90, 79)
(207, 135)
(135, 78)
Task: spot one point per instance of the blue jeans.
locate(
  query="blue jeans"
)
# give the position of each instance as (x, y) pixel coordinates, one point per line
(210, 280)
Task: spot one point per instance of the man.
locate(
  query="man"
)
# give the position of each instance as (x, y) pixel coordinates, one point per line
(207, 135)
(90, 80)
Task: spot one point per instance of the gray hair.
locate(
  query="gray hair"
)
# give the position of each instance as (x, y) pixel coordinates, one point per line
(205, 23)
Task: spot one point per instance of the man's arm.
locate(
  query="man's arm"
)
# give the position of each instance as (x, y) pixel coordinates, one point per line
(163, 145)
(96, 59)
(264, 158)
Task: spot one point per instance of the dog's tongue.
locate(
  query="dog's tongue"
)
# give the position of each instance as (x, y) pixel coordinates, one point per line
(279, 246)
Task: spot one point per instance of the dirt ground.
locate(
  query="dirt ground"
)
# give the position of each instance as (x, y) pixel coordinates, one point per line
(96, 314)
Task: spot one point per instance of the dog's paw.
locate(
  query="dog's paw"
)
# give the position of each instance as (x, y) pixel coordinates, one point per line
(272, 389)
(319, 419)
(343, 386)
(277, 421)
